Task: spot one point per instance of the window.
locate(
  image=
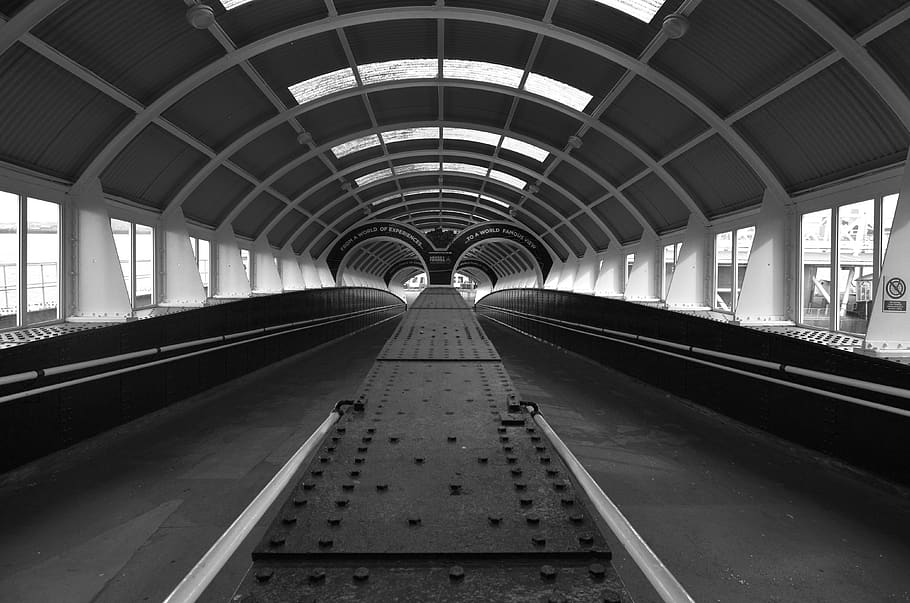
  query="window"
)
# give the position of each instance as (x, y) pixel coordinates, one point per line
(855, 242)
(671, 257)
(135, 245)
(889, 206)
(731, 257)
(202, 251)
(630, 261)
(29, 236)
(245, 259)
(816, 268)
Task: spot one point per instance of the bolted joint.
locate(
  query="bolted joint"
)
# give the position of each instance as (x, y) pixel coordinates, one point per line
(200, 16)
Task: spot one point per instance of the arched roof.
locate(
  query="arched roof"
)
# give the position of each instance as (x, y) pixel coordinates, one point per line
(293, 120)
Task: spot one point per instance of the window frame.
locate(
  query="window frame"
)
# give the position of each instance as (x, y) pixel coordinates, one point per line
(133, 222)
(735, 284)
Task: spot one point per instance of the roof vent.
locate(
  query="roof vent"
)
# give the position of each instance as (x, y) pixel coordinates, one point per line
(533, 189)
(347, 186)
(675, 26)
(575, 142)
(305, 138)
(200, 16)
(512, 212)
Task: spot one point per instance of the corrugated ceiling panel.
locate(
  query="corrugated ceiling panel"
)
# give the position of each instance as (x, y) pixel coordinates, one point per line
(272, 150)
(143, 48)
(489, 43)
(257, 215)
(411, 104)
(297, 181)
(577, 183)
(609, 25)
(548, 217)
(50, 120)
(737, 49)
(308, 235)
(288, 224)
(620, 221)
(561, 204)
(301, 60)
(152, 168)
(348, 221)
(388, 40)
(474, 106)
(833, 126)
(532, 9)
(322, 243)
(263, 17)
(576, 244)
(222, 109)
(717, 178)
(11, 7)
(320, 198)
(891, 51)
(215, 197)
(595, 235)
(336, 121)
(553, 243)
(857, 15)
(658, 204)
(540, 123)
(576, 67)
(652, 118)
(614, 162)
(532, 225)
(351, 6)
(347, 205)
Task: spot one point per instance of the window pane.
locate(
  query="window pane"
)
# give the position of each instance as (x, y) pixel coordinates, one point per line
(245, 259)
(723, 271)
(744, 238)
(121, 231)
(816, 272)
(889, 206)
(145, 269)
(669, 267)
(202, 259)
(630, 261)
(42, 246)
(855, 236)
(9, 259)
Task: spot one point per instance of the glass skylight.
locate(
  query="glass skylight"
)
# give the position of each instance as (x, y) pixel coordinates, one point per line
(466, 168)
(480, 71)
(640, 9)
(524, 148)
(470, 135)
(229, 4)
(323, 85)
(411, 168)
(355, 146)
(494, 201)
(373, 176)
(401, 69)
(557, 91)
(508, 179)
(410, 134)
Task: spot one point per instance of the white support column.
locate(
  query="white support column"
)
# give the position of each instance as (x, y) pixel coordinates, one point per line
(609, 280)
(182, 284)
(325, 275)
(289, 269)
(763, 298)
(568, 274)
(97, 290)
(309, 272)
(231, 280)
(267, 279)
(643, 278)
(553, 278)
(688, 285)
(588, 269)
(889, 324)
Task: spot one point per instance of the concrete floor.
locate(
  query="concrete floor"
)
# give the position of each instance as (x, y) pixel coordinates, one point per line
(737, 515)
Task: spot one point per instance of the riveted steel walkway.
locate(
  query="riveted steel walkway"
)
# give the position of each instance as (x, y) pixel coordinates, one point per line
(435, 485)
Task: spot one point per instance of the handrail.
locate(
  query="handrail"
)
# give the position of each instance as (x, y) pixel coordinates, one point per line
(195, 582)
(667, 586)
(307, 324)
(859, 384)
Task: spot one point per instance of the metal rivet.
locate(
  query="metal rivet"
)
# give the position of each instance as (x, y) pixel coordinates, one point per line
(526, 502)
(277, 540)
(503, 438)
(586, 538)
(366, 439)
(530, 429)
(538, 540)
(545, 460)
(520, 485)
(362, 449)
(418, 459)
(316, 472)
(494, 519)
(452, 438)
(373, 429)
(330, 449)
(516, 471)
(317, 574)
(341, 430)
(512, 459)
(264, 574)
(455, 489)
(382, 487)
(552, 472)
(288, 519)
(501, 429)
(576, 518)
(482, 460)
(540, 448)
(324, 459)
(560, 485)
(597, 570)
(456, 572)
(507, 448)
(334, 520)
(361, 573)
(299, 502)
(394, 439)
(354, 473)
(342, 502)
(535, 438)
(413, 521)
(347, 486)
(533, 519)
(359, 460)
(548, 571)
(325, 543)
(567, 501)
(308, 485)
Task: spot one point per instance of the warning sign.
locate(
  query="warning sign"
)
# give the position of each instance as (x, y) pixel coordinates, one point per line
(896, 288)
(893, 305)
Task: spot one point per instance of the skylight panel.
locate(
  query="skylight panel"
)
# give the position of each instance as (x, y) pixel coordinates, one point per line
(410, 168)
(229, 4)
(467, 168)
(470, 135)
(384, 199)
(323, 85)
(523, 148)
(410, 134)
(558, 91)
(355, 146)
(373, 176)
(479, 71)
(643, 10)
(401, 69)
(494, 201)
(423, 191)
(508, 179)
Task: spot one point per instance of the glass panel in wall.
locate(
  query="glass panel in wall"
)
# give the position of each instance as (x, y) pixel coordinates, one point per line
(245, 259)
(723, 271)
(669, 267)
(203, 257)
(630, 261)
(145, 269)
(816, 269)
(744, 239)
(856, 253)
(123, 241)
(9, 260)
(42, 246)
(889, 206)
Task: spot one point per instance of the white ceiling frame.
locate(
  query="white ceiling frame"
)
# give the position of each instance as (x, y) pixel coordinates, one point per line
(452, 203)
